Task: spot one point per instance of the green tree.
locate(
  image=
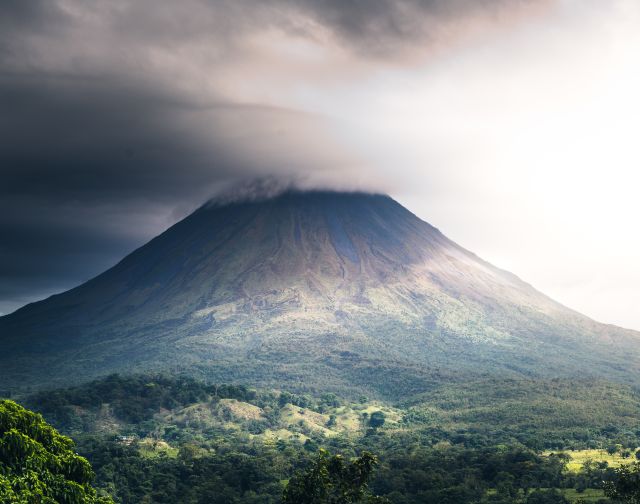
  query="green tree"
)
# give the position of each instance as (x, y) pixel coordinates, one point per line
(333, 480)
(38, 465)
(546, 497)
(625, 486)
(376, 419)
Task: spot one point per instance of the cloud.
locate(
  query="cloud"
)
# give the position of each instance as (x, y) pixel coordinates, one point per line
(88, 174)
(384, 29)
(119, 117)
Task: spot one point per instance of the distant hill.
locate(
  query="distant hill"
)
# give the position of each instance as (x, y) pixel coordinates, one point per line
(313, 289)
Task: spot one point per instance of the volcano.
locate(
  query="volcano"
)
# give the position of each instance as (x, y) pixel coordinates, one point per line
(310, 289)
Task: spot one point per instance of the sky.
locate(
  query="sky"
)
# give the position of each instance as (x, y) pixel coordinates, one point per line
(508, 124)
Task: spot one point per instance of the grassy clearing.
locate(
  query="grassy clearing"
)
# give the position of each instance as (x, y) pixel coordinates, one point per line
(589, 495)
(153, 448)
(391, 415)
(242, 410)
(292, 415)
(271, 436)
(580, 457)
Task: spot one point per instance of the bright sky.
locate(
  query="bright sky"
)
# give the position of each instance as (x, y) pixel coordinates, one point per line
(522, 145)
(525, 149)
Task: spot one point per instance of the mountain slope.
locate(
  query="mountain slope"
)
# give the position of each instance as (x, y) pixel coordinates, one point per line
(343, 290)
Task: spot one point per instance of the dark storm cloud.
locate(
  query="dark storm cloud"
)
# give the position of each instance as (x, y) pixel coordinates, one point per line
(91, 140)
(370, 28)
(118, 117)
(392, 28)
(81, 159)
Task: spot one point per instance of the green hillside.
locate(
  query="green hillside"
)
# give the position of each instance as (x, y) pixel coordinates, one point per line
(155, 437)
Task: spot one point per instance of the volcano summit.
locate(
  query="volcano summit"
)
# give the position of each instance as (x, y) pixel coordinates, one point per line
(346, 290)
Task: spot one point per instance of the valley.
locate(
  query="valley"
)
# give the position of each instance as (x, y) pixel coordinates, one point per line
(485, 441)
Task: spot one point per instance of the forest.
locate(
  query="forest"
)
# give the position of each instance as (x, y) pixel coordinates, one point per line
(162, 439)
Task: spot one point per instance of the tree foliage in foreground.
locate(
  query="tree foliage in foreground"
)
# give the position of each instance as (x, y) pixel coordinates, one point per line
(38, 465)
(625, 487)
(333, 480)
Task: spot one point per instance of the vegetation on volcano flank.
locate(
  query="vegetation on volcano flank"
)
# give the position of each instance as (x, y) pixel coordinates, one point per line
(344, 292)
